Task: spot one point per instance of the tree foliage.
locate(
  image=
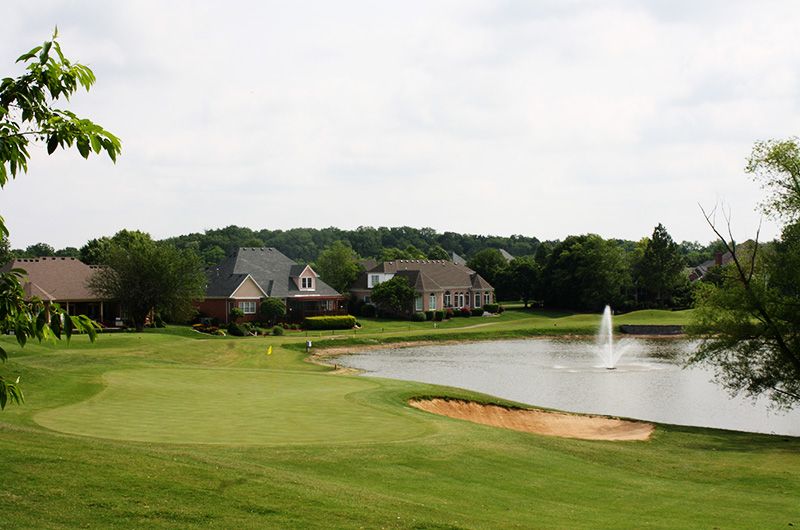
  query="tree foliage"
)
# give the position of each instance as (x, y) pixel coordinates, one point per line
(585, 272)
(660, 270)
(26, 114)
(338, 266)
(488, 263)
(146, 276)
(394, 296)
(272, 310)
(520, 280)
(748, 322)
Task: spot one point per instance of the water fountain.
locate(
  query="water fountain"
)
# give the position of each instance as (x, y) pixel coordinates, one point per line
(605, 342)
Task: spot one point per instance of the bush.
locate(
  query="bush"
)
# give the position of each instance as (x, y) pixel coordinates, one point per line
(429, 315)
(329, 322)
(449, 313)
(272, 309)
(235, 329)
(236, 314)
(492, 308)
(277, 330)
(419, 316)
(500, 309)
(465, 312)
(368, 310)
(477, 312)
(438, 315)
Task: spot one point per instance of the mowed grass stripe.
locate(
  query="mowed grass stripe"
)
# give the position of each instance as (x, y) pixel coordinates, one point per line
(232, 407)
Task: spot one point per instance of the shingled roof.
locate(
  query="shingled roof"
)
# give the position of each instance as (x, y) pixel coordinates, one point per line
(56, 279)
(271, 270)
(434, 275)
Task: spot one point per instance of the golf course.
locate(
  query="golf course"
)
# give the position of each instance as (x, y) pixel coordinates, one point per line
(172, 428)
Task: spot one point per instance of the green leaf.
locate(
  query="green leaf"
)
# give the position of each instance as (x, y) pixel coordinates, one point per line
(29, 55)
(83, 146)
(52, 144)
(96, 144)
(44, 55)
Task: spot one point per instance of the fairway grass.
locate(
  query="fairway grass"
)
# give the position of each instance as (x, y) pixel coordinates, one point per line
(173, 429)
(232, 407)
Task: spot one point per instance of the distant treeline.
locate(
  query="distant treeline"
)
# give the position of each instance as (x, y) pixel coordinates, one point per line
(305, 244)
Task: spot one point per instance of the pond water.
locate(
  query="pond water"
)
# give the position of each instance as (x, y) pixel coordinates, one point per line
(649, 382)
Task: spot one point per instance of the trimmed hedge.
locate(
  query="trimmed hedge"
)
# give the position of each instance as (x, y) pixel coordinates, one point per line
(277, 330)
(236, 330)
(330, 322)
(438, 315)
(419, 316)
(429, 315)
(477, 312)
(492, 308)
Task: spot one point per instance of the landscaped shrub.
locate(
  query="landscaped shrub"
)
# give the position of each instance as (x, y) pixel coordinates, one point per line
(272, 310)
(368, 310)
(235, 329)
(477, 311)
(429, 315)
(419, 316)
(438, 315)
(448, 313)
(465, 312)
(277, 330)
(492, 308)
(236, 314)
(330, 322)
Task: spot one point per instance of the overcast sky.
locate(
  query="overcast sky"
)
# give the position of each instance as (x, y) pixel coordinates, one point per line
(542, 118)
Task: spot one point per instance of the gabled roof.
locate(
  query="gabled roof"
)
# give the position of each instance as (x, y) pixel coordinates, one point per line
(270, 269)
(434, 275)
(56, 278)
(506, 255)
(458, 260)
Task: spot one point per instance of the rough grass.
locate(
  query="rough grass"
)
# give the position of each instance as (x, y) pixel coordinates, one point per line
(126, 413)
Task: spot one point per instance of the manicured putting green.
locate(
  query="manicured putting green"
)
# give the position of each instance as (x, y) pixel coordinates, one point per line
(233, 407)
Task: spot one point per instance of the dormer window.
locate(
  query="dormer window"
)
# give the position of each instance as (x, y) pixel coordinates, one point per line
(307, 283)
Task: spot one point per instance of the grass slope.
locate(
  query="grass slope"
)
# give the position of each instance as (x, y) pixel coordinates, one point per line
(293, 447)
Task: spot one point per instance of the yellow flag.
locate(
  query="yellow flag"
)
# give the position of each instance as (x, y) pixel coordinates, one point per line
(269, 350)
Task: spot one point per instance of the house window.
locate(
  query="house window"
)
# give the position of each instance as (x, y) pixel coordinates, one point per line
(366, 299)
(418, 303)
(487, 298)
(460, 298)
(248, 307)
(447, 299)
(477, 300)
(432, 302)
(375, 280)
(306, 283)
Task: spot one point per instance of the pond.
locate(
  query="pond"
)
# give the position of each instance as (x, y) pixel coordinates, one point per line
(649, 382)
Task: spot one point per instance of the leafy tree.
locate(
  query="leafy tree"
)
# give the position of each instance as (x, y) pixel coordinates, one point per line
(68, 252)
(659, 271)
(39, 250)
(488, 263)
(394, 296)
(146, 276)
(438, 253)
(272, 310)
(520, 280)
(338, 266)
(748, 324)
(5, 251)
(585, 272)
(94, 252)
(213, 255)
(27, 113)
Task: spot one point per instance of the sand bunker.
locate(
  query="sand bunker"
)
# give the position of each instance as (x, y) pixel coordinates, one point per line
(539, 421)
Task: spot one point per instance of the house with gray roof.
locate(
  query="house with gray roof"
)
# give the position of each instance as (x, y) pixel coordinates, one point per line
(251, 274)
(439, 284)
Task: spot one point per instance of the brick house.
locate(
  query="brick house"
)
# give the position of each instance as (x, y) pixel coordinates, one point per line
(251, 274)
(65, 281)
(438, 284)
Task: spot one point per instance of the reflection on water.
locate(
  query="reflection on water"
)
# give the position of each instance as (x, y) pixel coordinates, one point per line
(648, 382)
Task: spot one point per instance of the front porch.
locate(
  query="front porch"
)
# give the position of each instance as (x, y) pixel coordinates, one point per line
(300, 307)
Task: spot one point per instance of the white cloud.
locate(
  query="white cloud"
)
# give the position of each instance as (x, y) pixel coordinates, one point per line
(545, 119)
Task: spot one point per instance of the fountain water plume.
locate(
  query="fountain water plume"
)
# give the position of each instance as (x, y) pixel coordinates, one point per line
(605, 341)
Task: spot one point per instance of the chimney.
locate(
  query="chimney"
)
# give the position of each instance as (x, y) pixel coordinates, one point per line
(718, 259)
